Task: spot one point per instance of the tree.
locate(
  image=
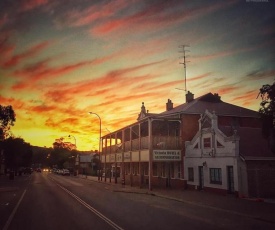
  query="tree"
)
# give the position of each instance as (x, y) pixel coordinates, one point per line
(17, 153)
(267, 112)
(61, 144)
(7, 119)
(62, 153)
(41, 156)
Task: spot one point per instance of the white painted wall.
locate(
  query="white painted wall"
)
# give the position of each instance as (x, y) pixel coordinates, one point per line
(214, 157)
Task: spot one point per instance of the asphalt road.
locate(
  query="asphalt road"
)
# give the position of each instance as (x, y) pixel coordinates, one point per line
(48, 201)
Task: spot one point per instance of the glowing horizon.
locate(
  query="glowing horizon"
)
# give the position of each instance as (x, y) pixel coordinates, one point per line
(60, 60)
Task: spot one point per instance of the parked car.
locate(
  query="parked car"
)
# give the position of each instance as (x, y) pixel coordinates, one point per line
(28, 170)
(38, 170)
(66, 172)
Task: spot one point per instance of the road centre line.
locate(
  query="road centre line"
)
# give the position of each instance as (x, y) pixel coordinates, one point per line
(14, 211)
(100, 215)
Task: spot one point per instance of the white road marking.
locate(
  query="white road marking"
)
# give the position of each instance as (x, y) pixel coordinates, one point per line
(100, 215)
(73, 182)
(69, 181)
(14, 211)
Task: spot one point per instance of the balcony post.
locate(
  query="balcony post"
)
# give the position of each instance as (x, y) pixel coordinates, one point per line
(123, 164)
(139, 158)
(115, 159)
(150, 153)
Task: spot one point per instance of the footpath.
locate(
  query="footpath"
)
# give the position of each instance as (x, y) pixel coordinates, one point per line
(260, 209)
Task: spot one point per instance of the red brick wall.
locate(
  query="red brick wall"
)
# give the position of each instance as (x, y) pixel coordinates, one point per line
(189, 128)
(242, 121)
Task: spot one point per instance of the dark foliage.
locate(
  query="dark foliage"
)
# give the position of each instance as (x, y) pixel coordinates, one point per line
(7, 119)
(267, 111)
(17, 153)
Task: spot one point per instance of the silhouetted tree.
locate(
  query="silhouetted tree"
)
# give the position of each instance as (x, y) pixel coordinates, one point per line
(41, 156)
(7, 119)
(267, 111)
(17, 153)
(60, 143)
(62, 152)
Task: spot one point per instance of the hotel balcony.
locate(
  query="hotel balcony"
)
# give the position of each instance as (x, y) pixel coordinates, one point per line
(158, 142)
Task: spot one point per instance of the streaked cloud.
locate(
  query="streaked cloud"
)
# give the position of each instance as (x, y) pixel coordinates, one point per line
(15, 60)
(260, 74)
(26, 5)
(61, 59)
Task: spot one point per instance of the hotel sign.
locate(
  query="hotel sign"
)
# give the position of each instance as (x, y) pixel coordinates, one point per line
(166, 155)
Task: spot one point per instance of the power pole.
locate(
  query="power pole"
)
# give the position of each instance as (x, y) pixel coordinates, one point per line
(183, 50)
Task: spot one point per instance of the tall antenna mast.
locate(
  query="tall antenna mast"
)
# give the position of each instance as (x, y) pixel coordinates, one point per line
(183, 50)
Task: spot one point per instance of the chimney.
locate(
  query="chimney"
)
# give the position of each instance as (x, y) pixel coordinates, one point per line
(217, 97)
(189, 97)
(169, 105)
(143, 110)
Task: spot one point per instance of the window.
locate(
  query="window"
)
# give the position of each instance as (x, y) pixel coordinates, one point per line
(127, 169)
(178, 168)
(146, 169)
(190, 174)
(215, 176)
(155, 169)
(172, 170)
(162, 173)
(207, 142)
(136, 168)
(219, 145)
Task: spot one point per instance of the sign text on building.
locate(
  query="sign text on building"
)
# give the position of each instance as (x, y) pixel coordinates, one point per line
(166, 155)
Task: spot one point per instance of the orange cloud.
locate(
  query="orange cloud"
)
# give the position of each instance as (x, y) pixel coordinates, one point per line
(259, 74)
(113, 80)
(246, 99)
(31, 4)
(40, 71)
(6, 49)
(227, 89)
(3, 19)
(156, 16)
(202, 76)
(17, 59)
(95, 13)
(247, 95)
(204, 58)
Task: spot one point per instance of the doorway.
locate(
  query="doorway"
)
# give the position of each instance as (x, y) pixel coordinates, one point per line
(230, 179)
(201, 178)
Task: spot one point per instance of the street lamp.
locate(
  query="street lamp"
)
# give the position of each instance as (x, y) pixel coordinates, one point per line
(74, 139)
(99, 140)
(75, 169)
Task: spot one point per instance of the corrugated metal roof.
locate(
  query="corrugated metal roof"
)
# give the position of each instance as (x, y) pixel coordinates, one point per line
(211, 103)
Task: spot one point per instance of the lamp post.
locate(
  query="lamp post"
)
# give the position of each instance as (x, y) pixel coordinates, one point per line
(75, 172)
(100, 174)
(74, 139)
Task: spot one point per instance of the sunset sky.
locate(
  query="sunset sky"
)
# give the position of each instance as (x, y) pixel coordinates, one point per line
(61, 59)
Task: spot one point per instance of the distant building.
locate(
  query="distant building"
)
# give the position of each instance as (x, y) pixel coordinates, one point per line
(84, 162)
